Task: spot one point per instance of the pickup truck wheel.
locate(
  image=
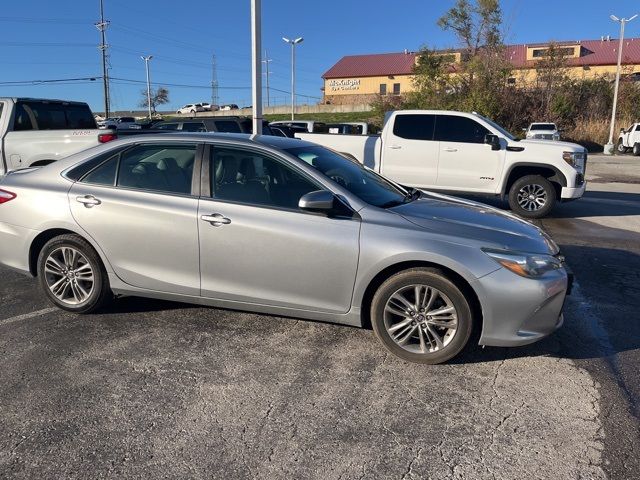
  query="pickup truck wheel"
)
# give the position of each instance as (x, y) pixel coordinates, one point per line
(421, 316)
(621, 148)
(532, 196)
(636, 149)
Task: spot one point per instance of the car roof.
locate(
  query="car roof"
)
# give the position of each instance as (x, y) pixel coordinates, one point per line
(240, 138)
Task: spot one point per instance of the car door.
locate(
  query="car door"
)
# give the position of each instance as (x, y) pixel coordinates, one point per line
(410, 154)
(139, 207)
(256, 246)
(466, 162)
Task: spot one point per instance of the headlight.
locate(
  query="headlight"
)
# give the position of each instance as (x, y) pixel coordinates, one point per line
(525, 265)
(575, 159)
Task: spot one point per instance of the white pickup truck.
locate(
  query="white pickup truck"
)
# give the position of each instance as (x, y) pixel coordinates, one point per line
(629, 139)
(468, 153)
(35, 132)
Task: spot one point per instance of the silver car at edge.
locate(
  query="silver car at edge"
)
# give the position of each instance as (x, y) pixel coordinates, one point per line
(283, 227)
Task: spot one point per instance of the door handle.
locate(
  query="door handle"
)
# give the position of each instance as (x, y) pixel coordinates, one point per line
(88, 201)
(395, 147)
(449, 149)
(216, 219)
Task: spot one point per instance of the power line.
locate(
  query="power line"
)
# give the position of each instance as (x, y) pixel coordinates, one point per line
(49, 81)
(45, 44)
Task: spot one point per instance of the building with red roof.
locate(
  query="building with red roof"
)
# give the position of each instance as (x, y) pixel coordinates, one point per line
(361, 78)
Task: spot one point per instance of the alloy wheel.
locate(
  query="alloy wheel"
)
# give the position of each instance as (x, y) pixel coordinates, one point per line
(532, 197)
(69, 275)
(420, 319)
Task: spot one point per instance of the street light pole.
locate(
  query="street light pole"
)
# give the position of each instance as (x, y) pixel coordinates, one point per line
(608, 148)
(293, 43)
(256, 65)
(146, 63)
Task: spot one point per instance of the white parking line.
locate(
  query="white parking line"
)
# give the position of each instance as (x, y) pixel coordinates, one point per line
(26, 316)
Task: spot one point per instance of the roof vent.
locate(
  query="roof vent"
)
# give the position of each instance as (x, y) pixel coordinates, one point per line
(406, 52)
(608, 38)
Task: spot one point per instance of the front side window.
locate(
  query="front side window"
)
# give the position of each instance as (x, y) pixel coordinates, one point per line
(352, 175)
(48, 116)
(414, 126)
(452, 128)
(158, 167)
(248, 177)
(23, 119)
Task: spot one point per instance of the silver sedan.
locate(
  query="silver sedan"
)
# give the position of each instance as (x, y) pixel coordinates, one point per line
(283, 227)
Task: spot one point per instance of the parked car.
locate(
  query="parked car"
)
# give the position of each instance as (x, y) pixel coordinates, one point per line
(468, 153)
(310, 125)
(230, 124)
(210, 108)
(284, 227)
(629, 139)
(231, 106)
(119, 123)
(35, 131)
(542, 131)
(191, 108)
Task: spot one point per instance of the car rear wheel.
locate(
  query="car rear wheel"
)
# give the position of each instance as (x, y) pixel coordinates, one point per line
(421, 316)
(72, 275)
(532, 196)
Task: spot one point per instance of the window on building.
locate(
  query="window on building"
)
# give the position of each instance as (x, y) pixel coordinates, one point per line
(511, 81)
(396, 89)
(383, 89)
(544, 52)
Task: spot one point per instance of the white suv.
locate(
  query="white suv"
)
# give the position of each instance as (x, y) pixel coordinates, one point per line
(191, 108)
(542, 131)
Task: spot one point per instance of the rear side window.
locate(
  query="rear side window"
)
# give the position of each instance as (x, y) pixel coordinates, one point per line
(414, 127)
(79, 172)
(158, 167)
(48, 116)
(166, 126)
(105, 174)
(451, 128)
(193, 127)
(227, 126)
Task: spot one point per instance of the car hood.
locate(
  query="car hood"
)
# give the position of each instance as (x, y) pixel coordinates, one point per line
(464, 219)
(565, 146)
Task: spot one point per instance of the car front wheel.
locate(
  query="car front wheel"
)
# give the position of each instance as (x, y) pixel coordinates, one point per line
(421, 316)
(621, 148)
(72, 275)
(636, 149)
(532, 196)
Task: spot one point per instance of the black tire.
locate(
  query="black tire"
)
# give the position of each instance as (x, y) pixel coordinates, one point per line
(100, 292)
(435, 279)
(636, 149)
(539, 189)
(620, 148)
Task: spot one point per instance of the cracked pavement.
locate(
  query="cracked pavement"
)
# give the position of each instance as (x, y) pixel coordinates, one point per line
(154, 389)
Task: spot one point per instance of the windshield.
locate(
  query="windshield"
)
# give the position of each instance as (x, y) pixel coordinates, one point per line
(499, 128)
(355, 177)
(542, 126)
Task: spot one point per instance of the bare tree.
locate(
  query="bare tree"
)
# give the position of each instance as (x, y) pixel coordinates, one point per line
(158, 97)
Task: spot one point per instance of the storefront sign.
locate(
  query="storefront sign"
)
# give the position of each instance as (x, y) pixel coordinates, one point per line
(344, 84)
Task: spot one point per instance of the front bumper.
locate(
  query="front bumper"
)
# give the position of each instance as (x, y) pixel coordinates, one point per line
(517, 310)
(573, 193)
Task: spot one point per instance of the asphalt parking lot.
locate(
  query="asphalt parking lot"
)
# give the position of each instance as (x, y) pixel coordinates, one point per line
(163, 390)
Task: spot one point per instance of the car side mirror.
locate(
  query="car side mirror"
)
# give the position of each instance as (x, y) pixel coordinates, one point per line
(622, 130)
(493, 140)
(318, 201)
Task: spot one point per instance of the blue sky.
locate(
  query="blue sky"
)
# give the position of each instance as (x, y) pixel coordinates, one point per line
(45, 39)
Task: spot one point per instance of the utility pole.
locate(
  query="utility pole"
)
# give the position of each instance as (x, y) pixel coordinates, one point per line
(266, 62)
(293, 43)
(102, 27)
(146, 64)
(256, 64)
(214, 81)
(608, 148)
